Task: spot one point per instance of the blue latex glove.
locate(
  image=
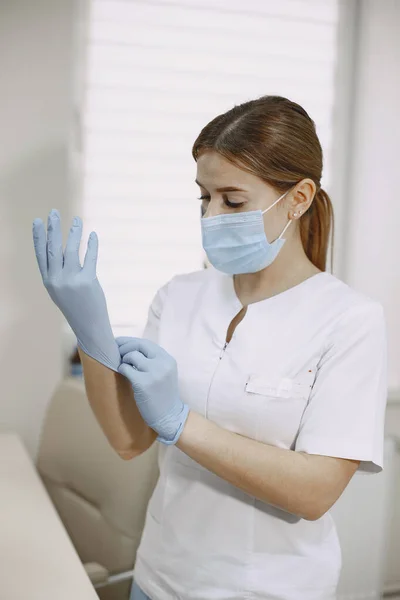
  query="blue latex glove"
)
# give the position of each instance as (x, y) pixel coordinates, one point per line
(153, 374)
(76, 290)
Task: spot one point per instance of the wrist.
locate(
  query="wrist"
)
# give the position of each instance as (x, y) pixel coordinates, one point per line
(170, 432)
(104, 350)
(195, 432)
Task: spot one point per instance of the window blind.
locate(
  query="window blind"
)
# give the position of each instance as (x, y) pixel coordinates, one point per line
(157, 72)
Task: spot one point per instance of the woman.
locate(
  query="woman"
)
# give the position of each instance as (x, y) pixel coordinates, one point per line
(263, 377)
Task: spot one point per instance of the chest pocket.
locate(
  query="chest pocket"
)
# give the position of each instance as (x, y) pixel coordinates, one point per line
(279, 403)
(278, 388)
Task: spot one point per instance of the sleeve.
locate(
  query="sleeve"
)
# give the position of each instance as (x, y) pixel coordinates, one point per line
(151, 329)
(345, 415)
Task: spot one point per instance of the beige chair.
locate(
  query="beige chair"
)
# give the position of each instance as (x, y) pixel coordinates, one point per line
(100, 498)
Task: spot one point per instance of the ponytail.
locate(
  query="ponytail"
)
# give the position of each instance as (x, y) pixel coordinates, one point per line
(316, 227)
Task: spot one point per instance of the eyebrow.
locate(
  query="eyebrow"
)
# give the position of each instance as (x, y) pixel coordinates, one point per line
(223, 189)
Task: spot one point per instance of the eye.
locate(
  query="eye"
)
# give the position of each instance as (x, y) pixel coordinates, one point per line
(227, 202)
(233, 204)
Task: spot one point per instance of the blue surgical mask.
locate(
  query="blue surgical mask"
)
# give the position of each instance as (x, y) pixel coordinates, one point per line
(236, 243)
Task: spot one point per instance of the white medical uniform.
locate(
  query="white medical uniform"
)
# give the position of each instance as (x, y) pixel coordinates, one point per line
(305, 370)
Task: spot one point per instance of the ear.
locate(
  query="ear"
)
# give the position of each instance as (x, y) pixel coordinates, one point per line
(301, 197)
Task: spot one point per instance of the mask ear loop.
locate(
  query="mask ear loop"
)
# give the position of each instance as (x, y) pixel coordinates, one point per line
(286, 226)
(273, 204)
(276, 202)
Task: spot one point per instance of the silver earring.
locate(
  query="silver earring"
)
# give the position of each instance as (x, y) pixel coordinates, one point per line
(295, 214)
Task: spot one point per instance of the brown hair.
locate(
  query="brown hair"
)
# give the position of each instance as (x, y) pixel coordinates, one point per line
(276, 140)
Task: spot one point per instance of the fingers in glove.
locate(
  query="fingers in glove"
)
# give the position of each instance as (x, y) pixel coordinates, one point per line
(92, 251)
(39, 242)
(54, 244)
(130, 373)
(123, 339)
(127, 344)
(147, 347)
(71, 255)
(137, 360)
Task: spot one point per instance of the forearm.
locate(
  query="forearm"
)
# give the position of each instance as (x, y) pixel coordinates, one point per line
(291, 481)
(111, 397)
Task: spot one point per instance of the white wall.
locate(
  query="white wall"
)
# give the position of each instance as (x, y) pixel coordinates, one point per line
(370, 236)
(36, 57)
(372, 231)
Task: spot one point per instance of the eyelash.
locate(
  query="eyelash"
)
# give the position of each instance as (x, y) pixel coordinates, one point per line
(230, 204)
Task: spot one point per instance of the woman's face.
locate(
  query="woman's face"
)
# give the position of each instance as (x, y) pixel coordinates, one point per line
(225, 188)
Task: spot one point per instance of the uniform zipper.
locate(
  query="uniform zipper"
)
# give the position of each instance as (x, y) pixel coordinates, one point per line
(213, 375)
(222, 351)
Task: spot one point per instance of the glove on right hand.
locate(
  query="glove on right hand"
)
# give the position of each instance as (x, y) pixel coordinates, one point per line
(76, 290)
